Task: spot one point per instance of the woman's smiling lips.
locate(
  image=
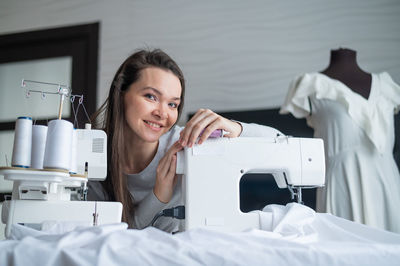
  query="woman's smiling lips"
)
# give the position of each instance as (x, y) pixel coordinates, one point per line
(153, 125)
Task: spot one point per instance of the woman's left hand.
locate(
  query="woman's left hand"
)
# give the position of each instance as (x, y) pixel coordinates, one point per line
(204, 122)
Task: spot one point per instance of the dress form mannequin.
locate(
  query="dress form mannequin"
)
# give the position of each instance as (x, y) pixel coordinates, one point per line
(343, 67)
(362, 179)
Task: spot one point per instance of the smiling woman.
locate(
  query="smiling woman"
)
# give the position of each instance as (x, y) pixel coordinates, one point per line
(151, 105)
(144, 103)
(137, 113)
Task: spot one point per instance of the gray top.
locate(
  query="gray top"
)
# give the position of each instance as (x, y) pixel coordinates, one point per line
(146, 204)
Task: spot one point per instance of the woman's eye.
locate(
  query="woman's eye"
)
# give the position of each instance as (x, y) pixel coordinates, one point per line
(173, 105)
(150, 96)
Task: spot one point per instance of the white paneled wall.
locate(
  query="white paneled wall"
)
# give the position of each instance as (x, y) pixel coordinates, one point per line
(236, 55)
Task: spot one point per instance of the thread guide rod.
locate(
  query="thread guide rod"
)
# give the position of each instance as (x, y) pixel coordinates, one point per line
(63, 90)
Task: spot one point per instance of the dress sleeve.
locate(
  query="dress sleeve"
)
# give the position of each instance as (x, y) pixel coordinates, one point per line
(391, 91)
(297, 101)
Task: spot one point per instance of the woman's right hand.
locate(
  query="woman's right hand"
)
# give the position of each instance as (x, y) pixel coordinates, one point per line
(203, 123)
(166, 174)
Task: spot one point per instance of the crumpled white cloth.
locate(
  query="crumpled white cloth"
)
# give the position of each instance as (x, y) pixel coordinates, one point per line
(18, 232)
(292, 222)
(293, 235)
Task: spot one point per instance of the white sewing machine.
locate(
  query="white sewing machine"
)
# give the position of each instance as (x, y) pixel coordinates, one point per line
(45, 195)
(212, 172)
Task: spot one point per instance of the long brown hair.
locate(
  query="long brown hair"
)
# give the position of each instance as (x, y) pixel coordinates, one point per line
(111, 118)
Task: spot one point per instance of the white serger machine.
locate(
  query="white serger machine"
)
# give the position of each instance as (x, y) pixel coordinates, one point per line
(212, 172)
(41, 195)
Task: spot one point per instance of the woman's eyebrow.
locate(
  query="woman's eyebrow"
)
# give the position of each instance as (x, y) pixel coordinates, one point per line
(160, 93)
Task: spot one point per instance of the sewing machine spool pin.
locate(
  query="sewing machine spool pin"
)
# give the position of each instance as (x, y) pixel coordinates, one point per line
(63, 91)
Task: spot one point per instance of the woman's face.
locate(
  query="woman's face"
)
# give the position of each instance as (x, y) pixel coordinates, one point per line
(151, 103)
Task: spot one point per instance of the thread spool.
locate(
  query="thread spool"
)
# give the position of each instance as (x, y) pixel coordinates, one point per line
(21, 156)
(58, 150)
(39, 134)
(74, 153)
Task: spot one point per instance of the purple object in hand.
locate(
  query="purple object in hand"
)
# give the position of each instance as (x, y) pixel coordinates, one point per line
(215, 134)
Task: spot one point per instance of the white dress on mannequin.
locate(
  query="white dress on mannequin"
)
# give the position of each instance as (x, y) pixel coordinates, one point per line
(362, 178)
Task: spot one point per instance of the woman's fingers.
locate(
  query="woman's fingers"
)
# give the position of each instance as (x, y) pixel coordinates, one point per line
(172, 170)
(208, 131)
(169, 159)
(162, 169)
(196, 125)
(203, 124)
(175, 148)
(185, 133)
(201, 127)
(169, 169)
(166, 170)
(235, 129)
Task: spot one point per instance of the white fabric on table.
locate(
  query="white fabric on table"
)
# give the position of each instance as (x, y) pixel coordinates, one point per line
(292, 222)
(294, 235)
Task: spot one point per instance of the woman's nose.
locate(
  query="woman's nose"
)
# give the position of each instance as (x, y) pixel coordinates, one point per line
(161, 112)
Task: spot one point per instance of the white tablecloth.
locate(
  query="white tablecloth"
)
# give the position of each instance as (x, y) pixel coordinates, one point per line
(292, 235)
